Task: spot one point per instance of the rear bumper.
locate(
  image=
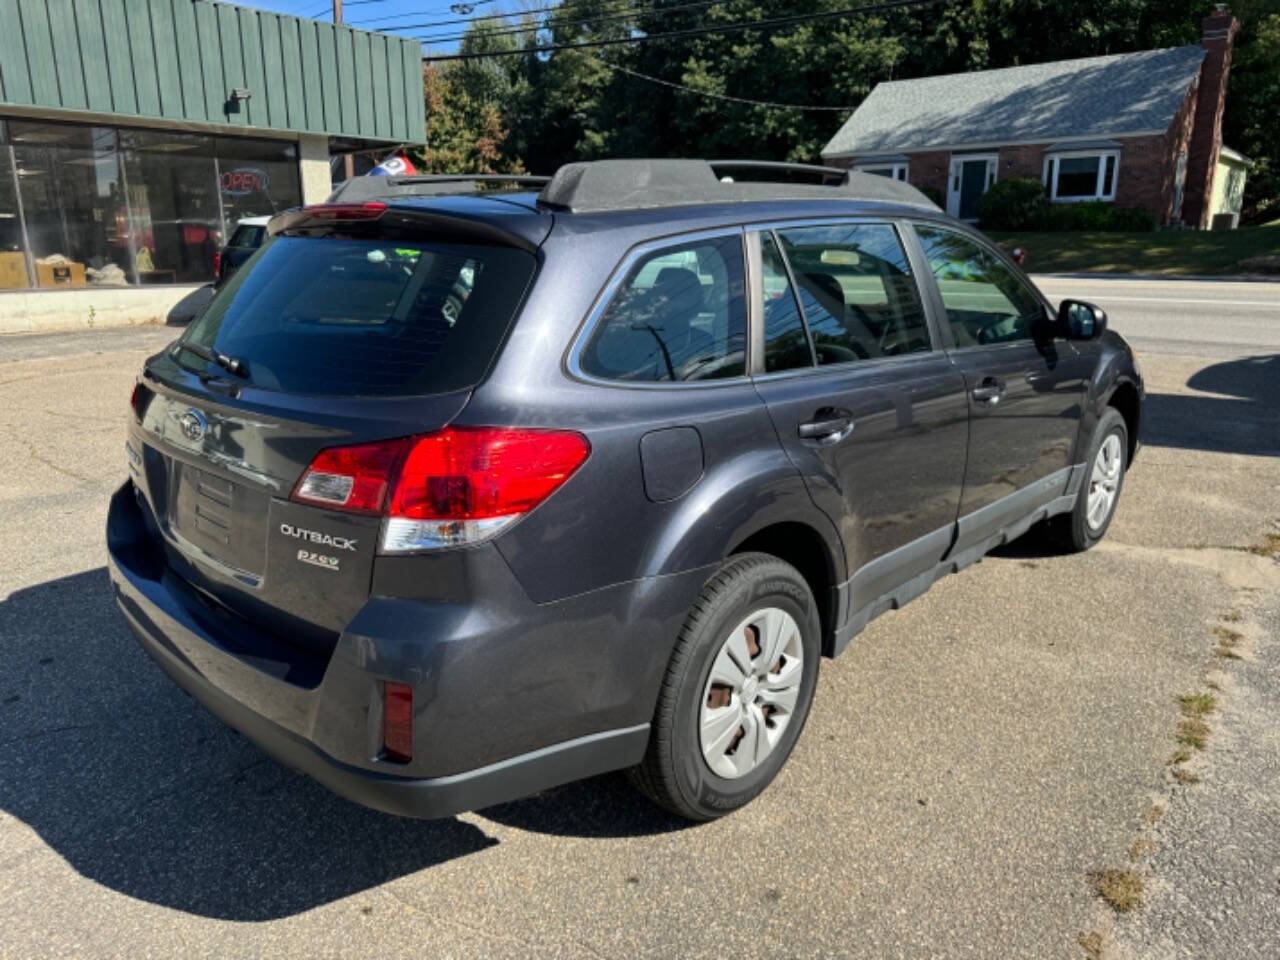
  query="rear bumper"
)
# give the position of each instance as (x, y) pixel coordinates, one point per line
(403, 796)
(484, 731)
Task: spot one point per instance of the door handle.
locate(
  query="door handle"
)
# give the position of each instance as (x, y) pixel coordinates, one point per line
(828, 425)
(988, 392)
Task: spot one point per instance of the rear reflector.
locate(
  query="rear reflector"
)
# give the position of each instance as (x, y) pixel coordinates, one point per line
(371, 210)
(217, 263)
(453, 487)
(397, 722)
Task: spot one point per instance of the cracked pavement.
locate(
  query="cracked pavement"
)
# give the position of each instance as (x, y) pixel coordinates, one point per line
(971, 759)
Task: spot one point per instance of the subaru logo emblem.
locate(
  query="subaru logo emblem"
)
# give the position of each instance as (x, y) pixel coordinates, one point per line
(193, 425)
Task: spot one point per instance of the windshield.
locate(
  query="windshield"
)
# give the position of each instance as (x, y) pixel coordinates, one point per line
(344, 316)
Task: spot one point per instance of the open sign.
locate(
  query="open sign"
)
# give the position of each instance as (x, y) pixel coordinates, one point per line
(244, 180)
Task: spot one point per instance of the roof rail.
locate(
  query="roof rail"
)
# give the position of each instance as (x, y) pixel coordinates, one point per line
(604, 185)
(368, 187)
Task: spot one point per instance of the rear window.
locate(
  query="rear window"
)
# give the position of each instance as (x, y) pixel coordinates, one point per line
(341, 316)
(247, 236)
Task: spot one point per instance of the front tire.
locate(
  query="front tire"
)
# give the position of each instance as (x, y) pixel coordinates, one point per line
(737, 690)
(1099, 494)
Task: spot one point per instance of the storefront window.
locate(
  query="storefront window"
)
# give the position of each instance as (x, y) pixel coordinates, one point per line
(258, 178)
(173, 202)
(73, 202)
(108, 206)
(13, 262)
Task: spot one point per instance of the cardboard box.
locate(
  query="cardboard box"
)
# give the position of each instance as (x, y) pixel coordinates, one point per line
(13, 271)
(69, 274)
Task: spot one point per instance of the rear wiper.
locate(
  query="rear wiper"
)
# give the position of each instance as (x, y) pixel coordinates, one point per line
(210, 355)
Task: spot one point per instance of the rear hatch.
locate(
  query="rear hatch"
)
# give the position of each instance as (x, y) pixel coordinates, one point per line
(336, 332)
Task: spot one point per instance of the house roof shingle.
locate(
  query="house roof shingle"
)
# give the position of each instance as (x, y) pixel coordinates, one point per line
(1125, 93)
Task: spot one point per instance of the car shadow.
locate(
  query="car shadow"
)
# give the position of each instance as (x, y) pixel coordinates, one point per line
(138, 788)
(1242, 416)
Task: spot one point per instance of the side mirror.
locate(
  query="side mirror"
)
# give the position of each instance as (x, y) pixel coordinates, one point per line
(1081, 321)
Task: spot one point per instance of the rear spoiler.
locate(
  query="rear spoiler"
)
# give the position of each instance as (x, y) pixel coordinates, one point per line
(523, 229)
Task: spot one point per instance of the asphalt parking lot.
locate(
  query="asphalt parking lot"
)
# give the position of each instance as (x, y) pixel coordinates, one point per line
(970, 762)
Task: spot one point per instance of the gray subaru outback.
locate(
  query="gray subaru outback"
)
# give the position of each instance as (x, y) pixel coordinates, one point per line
(458, 490)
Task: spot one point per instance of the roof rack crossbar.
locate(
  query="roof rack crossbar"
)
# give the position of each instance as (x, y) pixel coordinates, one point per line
(837, 172)
(528, 178)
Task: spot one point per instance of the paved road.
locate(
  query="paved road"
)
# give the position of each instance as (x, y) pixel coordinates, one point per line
(1201, 318)
(971, 759)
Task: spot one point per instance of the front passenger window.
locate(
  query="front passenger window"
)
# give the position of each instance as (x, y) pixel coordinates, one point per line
(987, 303)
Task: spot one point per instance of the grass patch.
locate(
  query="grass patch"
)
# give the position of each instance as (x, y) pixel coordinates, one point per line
(1091, 944)
(1269, 547)
(1226, 653)
(1184, 776)
(1140, 847)
(1235, 616)
(1154, 813)
(1227, 636)
(1122, 889)
(1181, 755)
(1197, 704)
(1193, 732)
(1162, 252)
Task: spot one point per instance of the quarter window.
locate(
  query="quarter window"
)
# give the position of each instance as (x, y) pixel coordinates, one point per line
(680, 315)
(986, 302)
(855, 285)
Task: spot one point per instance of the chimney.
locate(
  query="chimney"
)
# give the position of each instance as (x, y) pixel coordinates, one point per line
(1206, 132)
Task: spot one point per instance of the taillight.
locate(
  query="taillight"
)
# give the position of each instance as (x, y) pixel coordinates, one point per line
(370, 210)
(397, 722)
(457, 486)
(217, 264)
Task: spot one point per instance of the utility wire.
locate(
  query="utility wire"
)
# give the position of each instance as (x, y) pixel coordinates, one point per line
(722, 96)
(499, 31)
(764, 24)
(623, 11)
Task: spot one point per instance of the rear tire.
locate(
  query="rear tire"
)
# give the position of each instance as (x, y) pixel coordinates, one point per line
(1099, 494)
(737, 690)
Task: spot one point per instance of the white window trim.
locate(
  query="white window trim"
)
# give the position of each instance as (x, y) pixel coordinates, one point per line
(1101, 155)
(954, 176)
(899, 169)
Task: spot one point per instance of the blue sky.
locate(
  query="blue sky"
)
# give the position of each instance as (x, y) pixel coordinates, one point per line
(405, 17)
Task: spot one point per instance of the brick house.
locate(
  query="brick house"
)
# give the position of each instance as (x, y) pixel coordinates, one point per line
(1135, 129)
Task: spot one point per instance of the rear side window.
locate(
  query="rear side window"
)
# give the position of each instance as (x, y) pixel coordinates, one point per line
(855, 285)
(342, 316)
(247, 236)
(786, 347)
(680, 315)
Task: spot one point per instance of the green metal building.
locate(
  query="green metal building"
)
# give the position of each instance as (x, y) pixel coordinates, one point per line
(135, 133)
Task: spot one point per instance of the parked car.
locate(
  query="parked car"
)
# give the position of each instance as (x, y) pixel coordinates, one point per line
(246, 238)
(450, 499)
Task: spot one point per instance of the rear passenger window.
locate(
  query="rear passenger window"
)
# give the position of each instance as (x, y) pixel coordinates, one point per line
(855, 285)
(986, 301)
(680, 315)
(785, 345)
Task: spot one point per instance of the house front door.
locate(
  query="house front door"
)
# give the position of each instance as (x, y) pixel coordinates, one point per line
(970, 178)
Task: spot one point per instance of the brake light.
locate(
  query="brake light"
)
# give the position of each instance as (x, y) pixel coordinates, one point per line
(456, 486)
(397, 722)
(370, 210)
(217, 264)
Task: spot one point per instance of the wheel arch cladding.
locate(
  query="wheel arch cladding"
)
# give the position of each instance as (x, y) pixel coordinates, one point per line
(1124, 398)
(804, 548)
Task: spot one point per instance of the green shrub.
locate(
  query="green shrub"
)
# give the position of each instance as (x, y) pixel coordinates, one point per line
(934, 194)
(1016, 204)
(1135, 220)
